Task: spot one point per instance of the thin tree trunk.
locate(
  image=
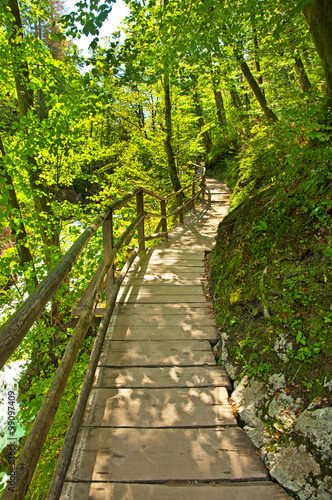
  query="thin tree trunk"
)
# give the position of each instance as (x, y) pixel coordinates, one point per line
(306, 57)
(41, 197)
(199, 113)
(168, 139)
(221, 113)
(298, 64)
(235, 98)
(270, 116)
(256, 52)
(18, 229)
(168, 125)
(284, 73)
(301, 74)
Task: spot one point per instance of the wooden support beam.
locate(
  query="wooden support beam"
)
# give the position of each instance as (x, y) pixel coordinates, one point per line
(156, 216)
(108, 247)
(164, 218)
(140, 208)
(70, 439)
(194, 196)
(155, 236)
(181, 211)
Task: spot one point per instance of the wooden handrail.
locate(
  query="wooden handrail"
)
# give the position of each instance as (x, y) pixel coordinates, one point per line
(33, 446)
(151, 193)
(18, 325)
(15, 329)
(71, 435)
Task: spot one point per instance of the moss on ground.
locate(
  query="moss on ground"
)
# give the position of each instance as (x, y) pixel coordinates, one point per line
(271, 268)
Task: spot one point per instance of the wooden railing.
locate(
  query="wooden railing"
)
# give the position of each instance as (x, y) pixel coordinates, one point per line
(15, 329)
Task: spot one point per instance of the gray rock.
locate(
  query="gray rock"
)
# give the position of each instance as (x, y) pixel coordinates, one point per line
(280, 404)
(247, 393)
(287, 419)
(277, 381)
(223, 347)
(270, 457)
(324, 489)
(257, 436)
(230, 370)
(249, 416)
(316, 425)
(282, 346)
(293, 469)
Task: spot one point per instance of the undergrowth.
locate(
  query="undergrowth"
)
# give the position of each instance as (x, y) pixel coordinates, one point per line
(271, 265)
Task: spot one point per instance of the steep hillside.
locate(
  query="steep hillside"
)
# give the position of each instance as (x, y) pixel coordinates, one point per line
(271, 284)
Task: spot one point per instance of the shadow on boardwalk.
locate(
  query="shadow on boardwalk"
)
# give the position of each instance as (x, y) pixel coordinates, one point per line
(158, 424)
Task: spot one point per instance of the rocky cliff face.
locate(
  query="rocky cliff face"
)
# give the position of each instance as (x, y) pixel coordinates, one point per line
(294, 441)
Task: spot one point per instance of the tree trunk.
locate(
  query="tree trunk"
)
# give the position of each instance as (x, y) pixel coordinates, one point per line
(18, 229)
(168, 139)
(298, 64)
(256, 51)
(270, 116)
(199, 113)
(41, 195)
(221, 113)
(284, 72)
(236, 101)
(306, 57)
(319, 18)
(301, 74)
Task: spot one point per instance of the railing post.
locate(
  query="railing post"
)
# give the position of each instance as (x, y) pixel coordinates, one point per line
(141, 232)
(180, 202)
(203, 186)
(193, 194)
(108, 247)
(163, 212)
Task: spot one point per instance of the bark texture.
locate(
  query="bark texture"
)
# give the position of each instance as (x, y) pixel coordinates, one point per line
(319, 18)
(25, 98)
(221, 113)
(168, 139)
(270, 116)
(18, 229)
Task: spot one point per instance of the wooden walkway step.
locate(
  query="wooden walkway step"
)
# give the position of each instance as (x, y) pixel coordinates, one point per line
(158, 424)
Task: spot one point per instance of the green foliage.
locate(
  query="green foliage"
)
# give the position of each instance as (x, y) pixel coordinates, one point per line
(87, 139)
(277, 239)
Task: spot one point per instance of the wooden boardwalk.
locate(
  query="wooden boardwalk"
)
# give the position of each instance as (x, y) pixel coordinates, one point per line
(158, 424)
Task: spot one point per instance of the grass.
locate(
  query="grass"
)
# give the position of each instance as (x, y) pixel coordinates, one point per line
(271, 266)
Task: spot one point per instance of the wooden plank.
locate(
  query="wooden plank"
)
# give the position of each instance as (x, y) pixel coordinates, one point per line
(137, 290)
(162, 333)
(259, 490)
(144, 408)
(194, 311)
(173, 376)
(154, 353)
(167, 321)
(169, 260)
(167, 279)
(179, 268)
(163, 298)
(105, 454)
(176, 267)
(187, 253)
(198, 311)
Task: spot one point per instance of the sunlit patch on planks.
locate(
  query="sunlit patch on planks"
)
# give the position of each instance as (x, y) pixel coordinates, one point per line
(158, 424)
